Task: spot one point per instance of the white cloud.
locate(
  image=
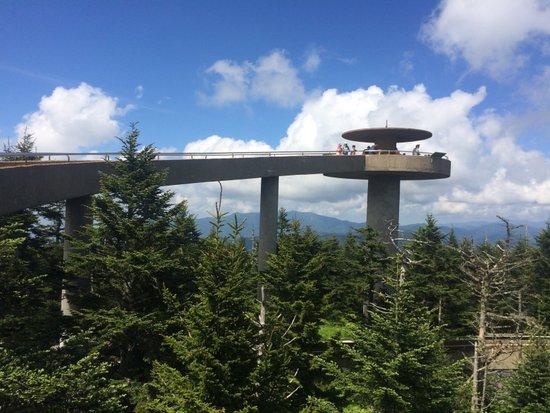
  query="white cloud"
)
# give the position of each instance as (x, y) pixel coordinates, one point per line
(217, 143)
(272, 78)
(276, 80)
(491, 172)
(73, 119)
(313, 60)
(488, 34)
(139, 91)
(231, 85)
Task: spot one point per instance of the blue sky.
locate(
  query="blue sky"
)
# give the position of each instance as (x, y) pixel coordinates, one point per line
(155, 62)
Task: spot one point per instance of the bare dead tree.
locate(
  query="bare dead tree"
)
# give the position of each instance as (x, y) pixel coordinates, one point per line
(486, 271)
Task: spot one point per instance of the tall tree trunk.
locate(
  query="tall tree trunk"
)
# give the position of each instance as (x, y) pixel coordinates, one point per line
(474, 402)
(484, 387)
(261, 317)
(479, 347)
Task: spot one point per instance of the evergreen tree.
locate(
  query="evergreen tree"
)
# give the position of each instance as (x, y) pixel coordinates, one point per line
(297, 281)
(220, 360)
(435, 278)
(25, 144)
(139, 252)
(528, 389)
(541, 281)
(396, 363)
(29, 319)
(139, 243)
(361, 267)
(460, 303)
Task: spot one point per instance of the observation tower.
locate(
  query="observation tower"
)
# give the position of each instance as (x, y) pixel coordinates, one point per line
(386, 166)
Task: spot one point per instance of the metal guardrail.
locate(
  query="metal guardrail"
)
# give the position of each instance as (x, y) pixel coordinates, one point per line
(83, 156)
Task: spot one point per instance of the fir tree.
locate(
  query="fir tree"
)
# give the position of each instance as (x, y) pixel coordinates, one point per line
(25, 144)
(528, 389)
(541, 281)
(297, 281)
(139, 242)
(215, 349)
(435, 277)
(361, 267)
(397, 362)
(139, 250)
(29, 319)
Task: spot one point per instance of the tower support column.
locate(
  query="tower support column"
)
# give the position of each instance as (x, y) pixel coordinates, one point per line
(76, 217)
(269, 211)
(383, 206)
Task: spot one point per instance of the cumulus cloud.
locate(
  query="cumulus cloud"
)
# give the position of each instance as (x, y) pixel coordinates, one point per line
(490, 34)
(217, 143)
(72, 119)
(491, 172)
(272, 78)
(276, 80)
(232, 83)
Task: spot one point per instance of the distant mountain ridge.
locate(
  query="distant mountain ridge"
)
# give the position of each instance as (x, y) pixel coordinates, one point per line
(329, 226)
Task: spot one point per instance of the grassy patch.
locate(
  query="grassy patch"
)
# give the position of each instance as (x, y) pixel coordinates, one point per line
(330, 329)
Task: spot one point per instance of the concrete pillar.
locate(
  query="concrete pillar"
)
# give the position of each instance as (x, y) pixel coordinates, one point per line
(76, 217)
(269, 212)
(383, 206)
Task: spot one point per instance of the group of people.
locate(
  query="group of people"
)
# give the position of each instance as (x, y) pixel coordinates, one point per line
(345, 150)
(373, 149)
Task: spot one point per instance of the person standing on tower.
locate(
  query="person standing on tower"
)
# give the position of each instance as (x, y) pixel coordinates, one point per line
(346, 149)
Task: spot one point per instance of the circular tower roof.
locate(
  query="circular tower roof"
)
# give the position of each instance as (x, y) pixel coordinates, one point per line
(386, 138)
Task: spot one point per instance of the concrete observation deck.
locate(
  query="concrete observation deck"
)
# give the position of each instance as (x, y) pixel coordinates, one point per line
(69, 177)
(34, 183)
(387, 168)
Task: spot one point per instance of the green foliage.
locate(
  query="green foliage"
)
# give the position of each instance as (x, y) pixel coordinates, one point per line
(297, 281)
(435, 278)
(29, 319)
(170, 391)
(82, 386)
(330, 330)
(397, 362)
(361, 267)
(541, 281)
(30, 274)
(214, 348)
(528, 389)
(316, 405)
(139, 243)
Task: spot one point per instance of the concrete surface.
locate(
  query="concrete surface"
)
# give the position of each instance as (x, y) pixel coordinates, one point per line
(386, 138)
(383, 206)
(406, 167)
(269, 212)
(28, 186)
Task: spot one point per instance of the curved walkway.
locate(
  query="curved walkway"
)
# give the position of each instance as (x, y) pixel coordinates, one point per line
(26, 185)
(66, 176)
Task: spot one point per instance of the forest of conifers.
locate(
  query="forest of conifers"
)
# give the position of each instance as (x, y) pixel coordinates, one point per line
(164, 320)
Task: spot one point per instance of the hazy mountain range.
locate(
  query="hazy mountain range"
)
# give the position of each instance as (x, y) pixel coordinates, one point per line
(328, 226)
